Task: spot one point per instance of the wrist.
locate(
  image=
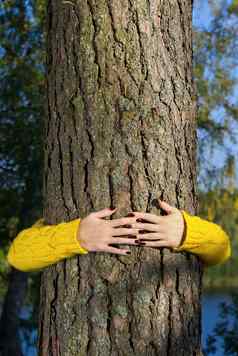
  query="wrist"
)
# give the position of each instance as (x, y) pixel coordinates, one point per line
(183, 232)
(82, 243)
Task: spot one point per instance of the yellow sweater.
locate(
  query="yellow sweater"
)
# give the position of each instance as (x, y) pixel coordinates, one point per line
(42, 245)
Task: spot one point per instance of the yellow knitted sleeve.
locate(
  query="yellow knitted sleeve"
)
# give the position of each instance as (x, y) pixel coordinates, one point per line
(205, 239)
(42, 245)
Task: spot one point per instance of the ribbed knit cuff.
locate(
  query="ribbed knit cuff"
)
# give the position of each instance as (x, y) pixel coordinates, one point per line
(205, 239)
(68, 235)
(79, 249)
(191, 232)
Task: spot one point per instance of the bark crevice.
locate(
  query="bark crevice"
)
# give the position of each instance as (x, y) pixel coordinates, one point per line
(121, 132)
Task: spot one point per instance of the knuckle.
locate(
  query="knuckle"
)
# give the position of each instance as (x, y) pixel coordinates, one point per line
(127, 221)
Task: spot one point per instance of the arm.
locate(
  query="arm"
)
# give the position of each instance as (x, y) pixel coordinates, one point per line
(205, 239)
(183, 232)
(42, 245)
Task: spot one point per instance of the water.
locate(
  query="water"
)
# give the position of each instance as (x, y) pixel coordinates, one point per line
(29, 339)
(210, 316)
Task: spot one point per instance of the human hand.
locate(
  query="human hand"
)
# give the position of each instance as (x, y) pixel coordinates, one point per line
(160, 231)
(96, 234)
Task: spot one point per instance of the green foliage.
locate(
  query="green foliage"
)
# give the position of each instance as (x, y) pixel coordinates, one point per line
(215, 63)
(220, 205)
(233, 8)
(21, 125)
(21, 114)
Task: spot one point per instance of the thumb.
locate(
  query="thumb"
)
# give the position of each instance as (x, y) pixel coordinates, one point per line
(105, 212)
(166, 207)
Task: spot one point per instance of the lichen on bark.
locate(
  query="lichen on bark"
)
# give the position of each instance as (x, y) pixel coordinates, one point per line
(121, 131)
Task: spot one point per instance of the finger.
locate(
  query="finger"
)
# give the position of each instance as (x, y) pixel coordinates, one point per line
(117, 251)
(152, 218)
(148, 227)
(150, 236)
(123, 241)
(166, 207)
(104, 212)
(122, 221)
(159, 243)
(124, 231)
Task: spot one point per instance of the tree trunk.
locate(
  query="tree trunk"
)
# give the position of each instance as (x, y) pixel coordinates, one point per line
(121, 131)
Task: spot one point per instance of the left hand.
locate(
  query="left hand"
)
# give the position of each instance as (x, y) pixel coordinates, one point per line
(160, 231)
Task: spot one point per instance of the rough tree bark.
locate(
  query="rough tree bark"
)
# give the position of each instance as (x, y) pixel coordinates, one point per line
(121, 131)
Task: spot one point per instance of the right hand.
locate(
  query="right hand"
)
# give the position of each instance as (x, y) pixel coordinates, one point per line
(96, 234)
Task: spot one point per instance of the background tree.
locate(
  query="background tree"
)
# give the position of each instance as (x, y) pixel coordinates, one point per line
(215, 70)
(120, 131)
(21, 98)
(220, 206)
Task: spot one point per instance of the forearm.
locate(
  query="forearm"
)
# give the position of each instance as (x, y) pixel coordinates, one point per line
(205, 239)
(41, 246)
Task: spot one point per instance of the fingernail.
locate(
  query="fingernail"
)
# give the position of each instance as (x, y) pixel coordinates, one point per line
(140, 242)
(128, 252)
(112, 208)
(130, 215)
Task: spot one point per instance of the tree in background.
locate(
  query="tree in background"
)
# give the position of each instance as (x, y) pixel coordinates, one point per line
(21, 111)
(215, 70)
(220, 205)
(216, 54)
